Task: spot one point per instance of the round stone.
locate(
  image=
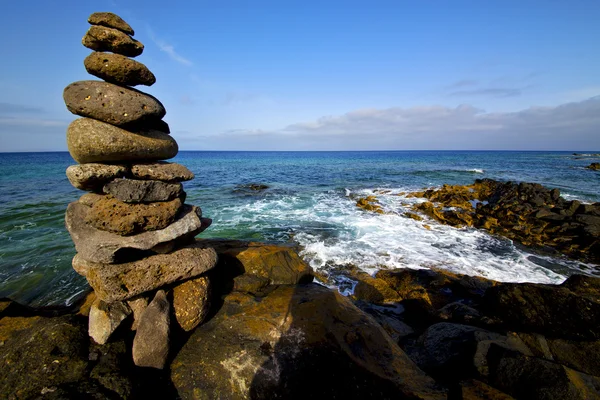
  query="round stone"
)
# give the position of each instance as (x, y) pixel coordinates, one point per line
(113, 104)
(118, 69)
(112, 215)
(91, 141)
(101, 38)
(110, 20)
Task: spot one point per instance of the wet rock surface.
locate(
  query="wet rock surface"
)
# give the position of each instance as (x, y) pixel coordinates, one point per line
(526, 212)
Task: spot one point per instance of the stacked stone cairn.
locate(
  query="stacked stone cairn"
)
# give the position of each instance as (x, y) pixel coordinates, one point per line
(133, 233)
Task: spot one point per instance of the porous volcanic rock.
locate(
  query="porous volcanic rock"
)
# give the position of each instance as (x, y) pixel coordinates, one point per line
(162, 171)
(112, 215)
(118, 69)
(100, 38)
(191, 302)
(100, 246)
(93, 176)
(303, 341)
(110, 103)
(151, 342)
(138, 191)
(91, 141)
(110, 20)
(116, 282)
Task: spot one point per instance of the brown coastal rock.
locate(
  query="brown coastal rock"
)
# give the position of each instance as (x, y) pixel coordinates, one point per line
(162, 171)
(100, 246)
(112, 104)
(151, 342)
(112, 215)
(191, 302)
(91, 141)
(138, 191)
(93, 176)
(274, 346)
(110, 20)
(102, 38)
(122, 281)
(118, 69)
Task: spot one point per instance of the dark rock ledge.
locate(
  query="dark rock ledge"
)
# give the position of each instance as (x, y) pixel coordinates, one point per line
(271, 333)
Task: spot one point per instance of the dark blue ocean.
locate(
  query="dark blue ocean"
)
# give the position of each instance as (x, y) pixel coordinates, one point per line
(310, 201)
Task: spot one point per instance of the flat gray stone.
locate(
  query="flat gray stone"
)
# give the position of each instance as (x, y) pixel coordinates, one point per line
(101, 38)
(115, 282)
(110, 20)
(118, 69)
(105, 318)
(139, 191)
(151, 342)
(162, 171)
(94, 176)
(113, 104)
(98, 246)
(91, 141)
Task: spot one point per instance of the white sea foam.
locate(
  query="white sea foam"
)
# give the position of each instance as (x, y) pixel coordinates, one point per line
(334, 233)
(476, 171)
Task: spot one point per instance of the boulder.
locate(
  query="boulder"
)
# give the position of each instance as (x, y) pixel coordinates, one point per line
(151, 342)
(99, 246)
(114, 282)
(553, 311)
(118, 69)
(162, 171)
(91, 141)
(112, 215)
(110, 103)
(534, 378)
(93, 176)
(137, 191)
(105, 318)
(100, 38)
(272, 264)
(39, 353)
(110, 20)
(298, 342)
(191, 302)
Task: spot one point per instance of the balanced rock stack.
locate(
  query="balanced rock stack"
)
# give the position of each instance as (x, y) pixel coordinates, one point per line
(133, 233)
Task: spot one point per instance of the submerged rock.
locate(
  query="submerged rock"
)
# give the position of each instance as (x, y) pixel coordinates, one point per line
(297, 342)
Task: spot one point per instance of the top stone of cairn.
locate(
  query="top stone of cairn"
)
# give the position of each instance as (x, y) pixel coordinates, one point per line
(110, 20)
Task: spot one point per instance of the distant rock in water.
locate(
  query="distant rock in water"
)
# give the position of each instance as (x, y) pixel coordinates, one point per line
(251, 188)
(527, 212)
(594, 166)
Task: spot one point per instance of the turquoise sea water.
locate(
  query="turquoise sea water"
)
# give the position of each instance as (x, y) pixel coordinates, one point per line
(310, 201)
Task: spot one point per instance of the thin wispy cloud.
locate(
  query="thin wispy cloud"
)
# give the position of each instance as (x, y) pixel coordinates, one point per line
(11, 108)
(488, 92)
(168, 48)
(463, 83)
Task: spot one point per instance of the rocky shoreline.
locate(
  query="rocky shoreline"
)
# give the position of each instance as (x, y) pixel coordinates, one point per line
(271, 333)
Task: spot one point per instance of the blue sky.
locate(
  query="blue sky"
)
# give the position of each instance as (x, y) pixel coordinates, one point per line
(325, 75)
